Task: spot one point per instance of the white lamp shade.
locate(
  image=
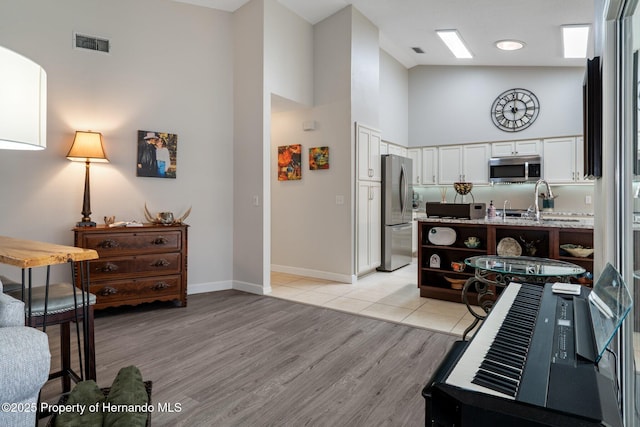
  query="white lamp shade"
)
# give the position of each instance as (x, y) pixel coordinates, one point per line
(23, 103)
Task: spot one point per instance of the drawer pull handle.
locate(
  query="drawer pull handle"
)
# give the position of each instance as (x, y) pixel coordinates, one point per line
(161, 263)
(160, 240)
(106, 244)
(108, 267)
(108, 290)
(160, 286)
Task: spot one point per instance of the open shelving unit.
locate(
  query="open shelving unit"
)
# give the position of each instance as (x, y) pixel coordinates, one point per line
(544, 241)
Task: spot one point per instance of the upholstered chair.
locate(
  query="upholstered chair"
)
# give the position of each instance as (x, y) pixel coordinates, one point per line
(24, 364)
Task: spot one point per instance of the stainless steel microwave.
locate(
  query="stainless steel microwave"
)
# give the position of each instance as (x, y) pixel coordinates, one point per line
(515, 169)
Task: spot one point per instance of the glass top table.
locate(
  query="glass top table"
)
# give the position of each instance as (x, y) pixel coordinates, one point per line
(528, 268)
(495, 271)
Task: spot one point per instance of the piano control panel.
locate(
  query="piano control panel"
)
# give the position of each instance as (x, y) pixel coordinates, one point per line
(564, 337)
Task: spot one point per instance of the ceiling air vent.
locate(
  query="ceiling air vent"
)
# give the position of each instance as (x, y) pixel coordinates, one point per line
(81, 41)
(417, 50)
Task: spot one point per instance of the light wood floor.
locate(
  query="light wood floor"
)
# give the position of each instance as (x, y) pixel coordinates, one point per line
(237, 359)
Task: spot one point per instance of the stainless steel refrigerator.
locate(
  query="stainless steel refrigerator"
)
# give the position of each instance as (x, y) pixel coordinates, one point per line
(397, 228)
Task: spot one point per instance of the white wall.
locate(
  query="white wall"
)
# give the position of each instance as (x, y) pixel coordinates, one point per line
(307, 227)
(309, 230)
(249, 156)
(451, 105)
(310, 233)
(365, 71)
(174, 75)
(394, 100)
(288, 54)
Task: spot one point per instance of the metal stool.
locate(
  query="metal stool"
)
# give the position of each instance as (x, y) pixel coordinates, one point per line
(60, 305)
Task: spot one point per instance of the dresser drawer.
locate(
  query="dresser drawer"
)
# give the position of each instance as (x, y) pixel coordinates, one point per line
(149, 289)
(151, 264)
(114, 243)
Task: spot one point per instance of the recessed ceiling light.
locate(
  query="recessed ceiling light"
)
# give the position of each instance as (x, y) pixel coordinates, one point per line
(509, 44)
(575, 39)
(455, 44)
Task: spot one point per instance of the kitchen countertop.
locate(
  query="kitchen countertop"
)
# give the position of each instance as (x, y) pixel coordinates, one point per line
(586, 223)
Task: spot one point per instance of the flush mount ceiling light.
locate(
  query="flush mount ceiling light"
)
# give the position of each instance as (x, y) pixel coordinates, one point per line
(509, 44)
(455, 44)
(575, 39)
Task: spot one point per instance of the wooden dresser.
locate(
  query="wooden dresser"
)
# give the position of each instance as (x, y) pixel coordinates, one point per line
(136, 264)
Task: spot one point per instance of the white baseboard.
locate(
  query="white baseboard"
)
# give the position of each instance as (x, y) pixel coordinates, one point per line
(251, 288)
(200, 288)
(326, 275)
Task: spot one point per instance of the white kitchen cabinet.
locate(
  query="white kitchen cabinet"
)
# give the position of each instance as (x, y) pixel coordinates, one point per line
(429, 166)
(415, 154)
(398, 150)
(531, 147)
(368, 147)
(562, 162)
(384, 148)
(468, 163)
(475, 163)
(450, 164)
(369, 229)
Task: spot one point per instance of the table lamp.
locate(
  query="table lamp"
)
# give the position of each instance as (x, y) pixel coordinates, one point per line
(87, 147)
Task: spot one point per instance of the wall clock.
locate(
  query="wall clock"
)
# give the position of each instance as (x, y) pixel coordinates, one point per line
(515, 110)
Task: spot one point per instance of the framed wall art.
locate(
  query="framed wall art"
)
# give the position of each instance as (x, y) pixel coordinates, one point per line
(318, 158)
(290, 162)
(157, 154)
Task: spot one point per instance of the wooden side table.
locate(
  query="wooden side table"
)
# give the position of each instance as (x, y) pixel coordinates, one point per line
(29, 254)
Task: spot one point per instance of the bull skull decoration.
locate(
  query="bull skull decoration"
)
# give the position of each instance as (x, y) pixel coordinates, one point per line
(164, 218)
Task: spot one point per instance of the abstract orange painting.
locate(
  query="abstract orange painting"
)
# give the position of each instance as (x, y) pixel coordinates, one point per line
(290, 162)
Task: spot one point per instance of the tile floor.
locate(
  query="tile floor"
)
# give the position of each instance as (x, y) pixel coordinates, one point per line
(389, 296)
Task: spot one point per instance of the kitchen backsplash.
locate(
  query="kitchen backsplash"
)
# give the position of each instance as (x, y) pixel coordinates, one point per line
(570, 198)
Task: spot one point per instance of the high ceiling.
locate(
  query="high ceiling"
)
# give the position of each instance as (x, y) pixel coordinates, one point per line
(405, 24)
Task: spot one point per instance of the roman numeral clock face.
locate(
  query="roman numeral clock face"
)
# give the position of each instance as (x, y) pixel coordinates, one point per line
(515, 110)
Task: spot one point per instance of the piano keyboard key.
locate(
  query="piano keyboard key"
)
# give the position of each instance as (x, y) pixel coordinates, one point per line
(495, 358)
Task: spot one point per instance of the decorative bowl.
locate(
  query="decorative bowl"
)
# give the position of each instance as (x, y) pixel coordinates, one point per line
(456, 284)
(471, 243)
(463, 188)
(577, 251)
(457, 266)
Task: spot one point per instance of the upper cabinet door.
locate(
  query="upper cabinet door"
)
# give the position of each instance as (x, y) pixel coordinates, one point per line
(450, 164)
(429, 166)
(415, 154)
(528, 148)
(559, 160)
(475, 162)
(531, 147)
(368, 148)
(502, 149)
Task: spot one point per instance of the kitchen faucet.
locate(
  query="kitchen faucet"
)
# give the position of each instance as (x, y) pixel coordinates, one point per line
(535, 195)
(504, 209)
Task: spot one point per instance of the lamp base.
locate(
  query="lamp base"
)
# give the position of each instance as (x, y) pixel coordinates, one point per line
(86, 224)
